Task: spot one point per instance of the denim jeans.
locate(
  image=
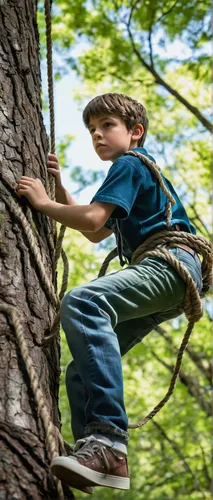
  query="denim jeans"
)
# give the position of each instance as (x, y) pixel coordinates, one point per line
(102, 321)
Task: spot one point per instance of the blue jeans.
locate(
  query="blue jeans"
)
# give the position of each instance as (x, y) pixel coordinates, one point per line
(102, 321)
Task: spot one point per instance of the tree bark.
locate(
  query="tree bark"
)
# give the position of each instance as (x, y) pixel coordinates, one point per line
(24, 459)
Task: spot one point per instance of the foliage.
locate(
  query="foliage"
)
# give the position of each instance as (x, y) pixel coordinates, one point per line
(62, 144)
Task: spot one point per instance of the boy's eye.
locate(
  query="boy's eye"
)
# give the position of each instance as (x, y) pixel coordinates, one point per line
(92, 130)
(107, 124)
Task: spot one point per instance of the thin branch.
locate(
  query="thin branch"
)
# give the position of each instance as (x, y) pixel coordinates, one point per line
(180, 455)
(150, 47)
(164, 14)
(134, 5)
(134, 80)
(192, 385)
(205, 468)
(200, 220)
(199, 228)
(190, 351)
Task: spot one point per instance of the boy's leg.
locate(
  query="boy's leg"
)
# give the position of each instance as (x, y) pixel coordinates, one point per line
(78, 398)
(89, 316)
(129, 333)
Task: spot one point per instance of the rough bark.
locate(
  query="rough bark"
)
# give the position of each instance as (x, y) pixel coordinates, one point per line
(24, 460)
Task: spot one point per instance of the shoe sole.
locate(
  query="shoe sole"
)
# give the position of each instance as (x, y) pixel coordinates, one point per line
(78, 476)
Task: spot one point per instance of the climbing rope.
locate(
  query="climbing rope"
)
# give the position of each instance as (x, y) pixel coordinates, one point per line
(155, 246)
(48, 22)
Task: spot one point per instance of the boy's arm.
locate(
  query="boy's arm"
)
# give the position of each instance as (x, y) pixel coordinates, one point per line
(85, 218)
(62, 196)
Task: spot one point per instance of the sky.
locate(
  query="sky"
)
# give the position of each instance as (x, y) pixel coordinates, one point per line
(68, 120)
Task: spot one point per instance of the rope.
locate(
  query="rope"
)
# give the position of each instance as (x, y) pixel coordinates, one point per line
(155, 246)
(53, 437)
(106, 262)
(17, 212)
(48, 21)
(59, 244)
(37, 392)
(50, 73)
(170, 391)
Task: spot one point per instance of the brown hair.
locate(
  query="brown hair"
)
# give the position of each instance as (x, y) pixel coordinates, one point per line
(131, 111)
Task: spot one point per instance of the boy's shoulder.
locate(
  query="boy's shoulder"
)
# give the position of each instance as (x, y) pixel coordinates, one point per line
(133, 160)
(128, 165)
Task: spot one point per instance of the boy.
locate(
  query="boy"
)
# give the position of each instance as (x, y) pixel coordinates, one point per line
(104, 319)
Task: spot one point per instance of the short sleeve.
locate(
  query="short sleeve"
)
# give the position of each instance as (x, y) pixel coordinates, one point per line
(121, 186)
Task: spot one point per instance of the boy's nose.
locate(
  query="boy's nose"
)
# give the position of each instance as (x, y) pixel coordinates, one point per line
(97, 134)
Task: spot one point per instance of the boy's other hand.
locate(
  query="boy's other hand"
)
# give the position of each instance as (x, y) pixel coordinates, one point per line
(53, 168)
(34, 191)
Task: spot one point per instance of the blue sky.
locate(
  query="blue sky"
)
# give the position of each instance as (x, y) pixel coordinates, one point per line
(68, 120)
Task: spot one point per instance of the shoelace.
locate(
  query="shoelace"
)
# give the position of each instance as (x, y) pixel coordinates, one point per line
(89, 449)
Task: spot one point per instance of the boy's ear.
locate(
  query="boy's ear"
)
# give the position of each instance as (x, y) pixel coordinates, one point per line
(137, 132)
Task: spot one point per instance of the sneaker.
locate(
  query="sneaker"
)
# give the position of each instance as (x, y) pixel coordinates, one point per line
(70, 451)
(93, 463)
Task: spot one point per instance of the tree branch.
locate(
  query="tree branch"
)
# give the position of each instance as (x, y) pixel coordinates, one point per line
(150, 48)
(195, 111)
(133, 7)
(192, 386)
(200, 220)
(189, 349)
(178, 452)
(164, 14)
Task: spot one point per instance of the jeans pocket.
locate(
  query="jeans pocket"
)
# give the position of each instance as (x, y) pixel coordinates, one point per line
(192, 263)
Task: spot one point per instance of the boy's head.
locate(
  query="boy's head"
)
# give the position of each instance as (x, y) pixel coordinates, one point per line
(127, 114)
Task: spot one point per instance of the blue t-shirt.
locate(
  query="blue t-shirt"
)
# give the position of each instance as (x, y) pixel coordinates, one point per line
(141, 203)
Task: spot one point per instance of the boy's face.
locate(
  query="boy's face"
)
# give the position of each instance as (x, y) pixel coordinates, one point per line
(110, 136)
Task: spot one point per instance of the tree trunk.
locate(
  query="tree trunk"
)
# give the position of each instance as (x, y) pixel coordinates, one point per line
(24, 459)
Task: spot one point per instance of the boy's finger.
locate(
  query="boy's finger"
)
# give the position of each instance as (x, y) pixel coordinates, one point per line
(27, 179)
(24, 183)
(52, 157)
(53, 171)
(53, 164)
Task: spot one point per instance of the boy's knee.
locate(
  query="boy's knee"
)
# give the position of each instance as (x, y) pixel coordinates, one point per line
(69, 300)
(70, 373)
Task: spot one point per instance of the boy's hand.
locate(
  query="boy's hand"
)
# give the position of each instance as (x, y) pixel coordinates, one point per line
(53, 168)
(34, 191)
